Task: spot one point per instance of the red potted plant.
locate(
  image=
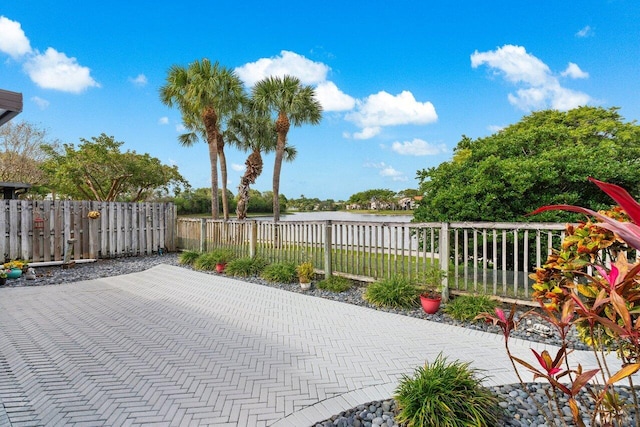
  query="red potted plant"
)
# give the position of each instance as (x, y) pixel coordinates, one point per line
(431, 297)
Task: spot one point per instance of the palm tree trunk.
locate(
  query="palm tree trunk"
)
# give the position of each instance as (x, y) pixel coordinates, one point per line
(253, 170)
(213, 158)
(210, 120)
(223, 175)
(282, 128)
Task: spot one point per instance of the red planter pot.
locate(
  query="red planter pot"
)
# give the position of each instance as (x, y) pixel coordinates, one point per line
(430, 305)
(220, 268)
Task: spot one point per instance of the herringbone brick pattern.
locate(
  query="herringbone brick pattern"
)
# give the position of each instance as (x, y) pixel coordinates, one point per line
(172, 347)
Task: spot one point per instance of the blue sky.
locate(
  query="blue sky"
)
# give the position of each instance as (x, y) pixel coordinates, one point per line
(400, 81)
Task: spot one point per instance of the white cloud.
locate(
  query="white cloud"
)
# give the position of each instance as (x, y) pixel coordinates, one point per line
(13, 41)
(418, 147)
(395, 175)
(180, 128)
(139, 80)
(332, 98)
(49, 70)
(237, 167)
(288, 63)
(163, 120)
(585, 32)
(384, 109)
(541, 88)
(380, 165)
(43, 104)
(515, 63)
(495, 128)
(370, 114)
(574, 72)
(367, 133)
(55, 70)
(387, 171)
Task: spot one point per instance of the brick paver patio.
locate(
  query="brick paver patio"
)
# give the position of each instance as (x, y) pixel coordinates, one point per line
(169, 347)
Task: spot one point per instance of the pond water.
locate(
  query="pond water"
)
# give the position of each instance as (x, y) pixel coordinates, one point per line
(337, 216)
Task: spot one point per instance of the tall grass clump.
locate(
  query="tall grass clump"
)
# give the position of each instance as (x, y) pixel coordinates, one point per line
(394, 292)
(443, 394)
(467, 307)
(206, 261)
(188, 257)
(335, 284)
(280, 272)
(246, 267)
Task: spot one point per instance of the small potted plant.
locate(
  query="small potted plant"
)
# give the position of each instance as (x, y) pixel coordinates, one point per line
(3, 277)
(221, 257)
(431, 297)
(305, 274)
(14, 268)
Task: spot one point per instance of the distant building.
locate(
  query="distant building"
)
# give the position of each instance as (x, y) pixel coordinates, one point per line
(409, 203)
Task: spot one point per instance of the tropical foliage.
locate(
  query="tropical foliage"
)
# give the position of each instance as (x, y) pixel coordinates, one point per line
(206, 95)
(393, 292)
(589, 283)
(98, 170)
(280, 272)
(544, 159)
(335, 284)
(289, 103)
(446, 394)
(246, 267)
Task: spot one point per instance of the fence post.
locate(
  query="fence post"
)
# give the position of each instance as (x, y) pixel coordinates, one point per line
(203, 231)
(328, 267)
(443, 258)
(253, 239)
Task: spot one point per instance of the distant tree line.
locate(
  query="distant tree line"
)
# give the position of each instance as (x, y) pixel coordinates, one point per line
(198, 201)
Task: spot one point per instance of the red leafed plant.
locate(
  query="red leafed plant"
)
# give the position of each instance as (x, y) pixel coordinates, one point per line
(589, 284)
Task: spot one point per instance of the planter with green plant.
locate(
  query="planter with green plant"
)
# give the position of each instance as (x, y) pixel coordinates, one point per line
(221, 257)
(305, 274)
(431, 295)
(3, 277)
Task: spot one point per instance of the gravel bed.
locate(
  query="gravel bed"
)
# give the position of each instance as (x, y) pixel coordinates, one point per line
(520, 409)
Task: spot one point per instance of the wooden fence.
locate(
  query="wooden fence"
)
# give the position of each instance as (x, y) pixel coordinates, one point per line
(39, 231)
(490, 258)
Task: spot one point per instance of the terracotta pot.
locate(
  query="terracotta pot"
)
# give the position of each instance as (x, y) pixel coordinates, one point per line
(220, 267)
(430, 305)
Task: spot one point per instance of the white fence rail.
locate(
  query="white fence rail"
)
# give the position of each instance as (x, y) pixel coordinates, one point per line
(491, 258)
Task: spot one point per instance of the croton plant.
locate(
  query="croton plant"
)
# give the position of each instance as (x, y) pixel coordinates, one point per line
(589, 283)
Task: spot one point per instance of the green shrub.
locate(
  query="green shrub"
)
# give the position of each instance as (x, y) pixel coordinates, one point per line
(281, 272)
(206, 261)
(223, 255)
(467, 307)
(445, 394)
(246, 267)
(335, 284)
(395, 292)
(188, 257)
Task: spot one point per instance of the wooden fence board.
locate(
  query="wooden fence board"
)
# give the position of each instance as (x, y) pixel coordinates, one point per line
(123, 229)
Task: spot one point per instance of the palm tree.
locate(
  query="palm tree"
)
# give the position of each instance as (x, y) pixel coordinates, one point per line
(206, 94)
(292, 103)
(249, 131)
